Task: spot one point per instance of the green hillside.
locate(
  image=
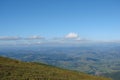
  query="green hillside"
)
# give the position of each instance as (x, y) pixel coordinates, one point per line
(16, 70)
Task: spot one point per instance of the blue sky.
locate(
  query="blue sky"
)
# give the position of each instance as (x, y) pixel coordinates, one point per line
(88, 19)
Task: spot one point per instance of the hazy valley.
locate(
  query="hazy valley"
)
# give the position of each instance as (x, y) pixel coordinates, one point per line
(96, 59)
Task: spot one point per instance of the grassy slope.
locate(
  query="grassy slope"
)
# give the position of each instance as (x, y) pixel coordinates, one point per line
(16, 70)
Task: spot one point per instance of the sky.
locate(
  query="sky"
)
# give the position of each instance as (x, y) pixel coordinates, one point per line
(40, 21)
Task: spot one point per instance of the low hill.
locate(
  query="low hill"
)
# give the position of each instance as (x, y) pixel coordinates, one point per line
(113, 75)
(16, 70)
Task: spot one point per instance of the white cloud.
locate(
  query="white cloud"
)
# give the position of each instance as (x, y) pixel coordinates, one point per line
(35, 37)
(9, 38)
(72, 36)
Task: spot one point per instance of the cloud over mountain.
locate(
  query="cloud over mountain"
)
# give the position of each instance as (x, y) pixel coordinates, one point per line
(10, 38)
(34, 37)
